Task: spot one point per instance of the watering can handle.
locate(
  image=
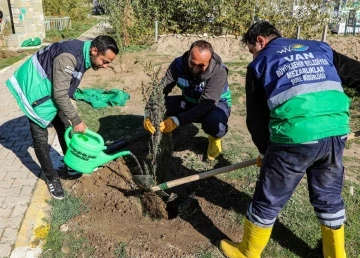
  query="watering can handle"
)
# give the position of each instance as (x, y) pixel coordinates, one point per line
(87, 131)
(96, 135)
(66, 136)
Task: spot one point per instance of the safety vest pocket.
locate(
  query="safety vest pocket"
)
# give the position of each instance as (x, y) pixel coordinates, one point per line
(40, 101)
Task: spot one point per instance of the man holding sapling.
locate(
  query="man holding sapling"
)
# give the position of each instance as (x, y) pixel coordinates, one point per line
(205, 99)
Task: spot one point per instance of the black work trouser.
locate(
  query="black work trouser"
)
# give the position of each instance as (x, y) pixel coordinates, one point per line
(214, 123)
(40, 141)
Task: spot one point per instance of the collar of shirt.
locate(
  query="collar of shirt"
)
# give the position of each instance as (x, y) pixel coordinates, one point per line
(86, 51)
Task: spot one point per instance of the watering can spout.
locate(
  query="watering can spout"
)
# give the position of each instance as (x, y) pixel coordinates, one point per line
(104, 158)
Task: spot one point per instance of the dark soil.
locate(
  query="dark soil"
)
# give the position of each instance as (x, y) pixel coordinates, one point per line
(119, 213)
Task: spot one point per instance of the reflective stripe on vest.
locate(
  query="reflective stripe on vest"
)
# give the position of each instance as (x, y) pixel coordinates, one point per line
(25, 102)
(77, 75)
(184, 83)
(38, 67)
(303, 89)
(181, 82)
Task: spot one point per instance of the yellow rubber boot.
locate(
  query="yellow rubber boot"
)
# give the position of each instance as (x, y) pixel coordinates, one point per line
(333, 242)
(214, 148)
(253, 243)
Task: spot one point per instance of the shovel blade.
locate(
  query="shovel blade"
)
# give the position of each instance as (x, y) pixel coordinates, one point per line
(161, 193)
(145, 182)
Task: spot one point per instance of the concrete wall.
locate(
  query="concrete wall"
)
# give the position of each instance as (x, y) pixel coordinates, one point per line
(28, 18)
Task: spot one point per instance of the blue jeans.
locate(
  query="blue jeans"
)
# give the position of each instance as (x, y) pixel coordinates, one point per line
(283, 167)
(214, 123)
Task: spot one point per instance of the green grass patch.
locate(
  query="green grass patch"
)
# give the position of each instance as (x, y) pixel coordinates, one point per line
(243, 64)
(136, 48)
(77, 28)
(120, 250)
(10, 57)
(63, 210)
(237, 91)
(298, 216)
(352, 225)
(65, 244)
(232, 73)
(235, 68)
(236, 217)
(209, 253)
(238, 96)
(242, 73)
(354, 108)
(110, 122)
(204, 254)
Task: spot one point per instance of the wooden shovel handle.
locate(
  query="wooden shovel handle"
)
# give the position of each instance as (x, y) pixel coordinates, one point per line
(218, 171)
(203, 175)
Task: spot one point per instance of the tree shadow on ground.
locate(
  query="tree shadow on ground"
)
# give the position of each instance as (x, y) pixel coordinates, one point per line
(127, 127)
(227, 197)
(15, 136)
(214, 190)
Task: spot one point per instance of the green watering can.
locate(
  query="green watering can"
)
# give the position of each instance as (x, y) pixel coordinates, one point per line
(86, 151)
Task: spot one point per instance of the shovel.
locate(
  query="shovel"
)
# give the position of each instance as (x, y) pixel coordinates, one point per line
(146, 182)
(202, 175)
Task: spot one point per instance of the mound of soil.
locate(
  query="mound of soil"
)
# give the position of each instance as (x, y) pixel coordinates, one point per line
(232, 49)
(346, 45)
(118, 213)
(229, 48)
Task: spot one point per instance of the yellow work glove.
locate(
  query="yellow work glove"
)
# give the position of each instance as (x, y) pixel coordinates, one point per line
(259, 160)
(149, 126)
(169, 124)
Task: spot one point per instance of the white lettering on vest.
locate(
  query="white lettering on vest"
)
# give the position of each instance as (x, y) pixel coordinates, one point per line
(299, 57)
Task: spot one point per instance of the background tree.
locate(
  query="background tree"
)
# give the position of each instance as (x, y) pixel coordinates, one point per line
(133, 20)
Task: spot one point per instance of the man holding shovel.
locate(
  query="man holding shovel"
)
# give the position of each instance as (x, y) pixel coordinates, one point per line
(298, 117)
(43, 86)
(205, 99)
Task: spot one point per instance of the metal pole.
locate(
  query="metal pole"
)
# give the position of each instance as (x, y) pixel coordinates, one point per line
(156, 31)
(324, 33)
(11, 17)
(298, 32)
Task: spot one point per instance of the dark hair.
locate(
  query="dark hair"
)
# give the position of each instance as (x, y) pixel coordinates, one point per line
(260, 28)
(1, 14)
(203, 45)
(103, 43)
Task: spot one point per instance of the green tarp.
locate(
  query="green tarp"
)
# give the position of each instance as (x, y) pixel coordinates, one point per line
(31, 42)
(102, 98)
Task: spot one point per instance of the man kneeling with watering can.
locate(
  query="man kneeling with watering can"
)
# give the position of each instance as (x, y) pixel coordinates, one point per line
(43, 86)
(205, 99)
